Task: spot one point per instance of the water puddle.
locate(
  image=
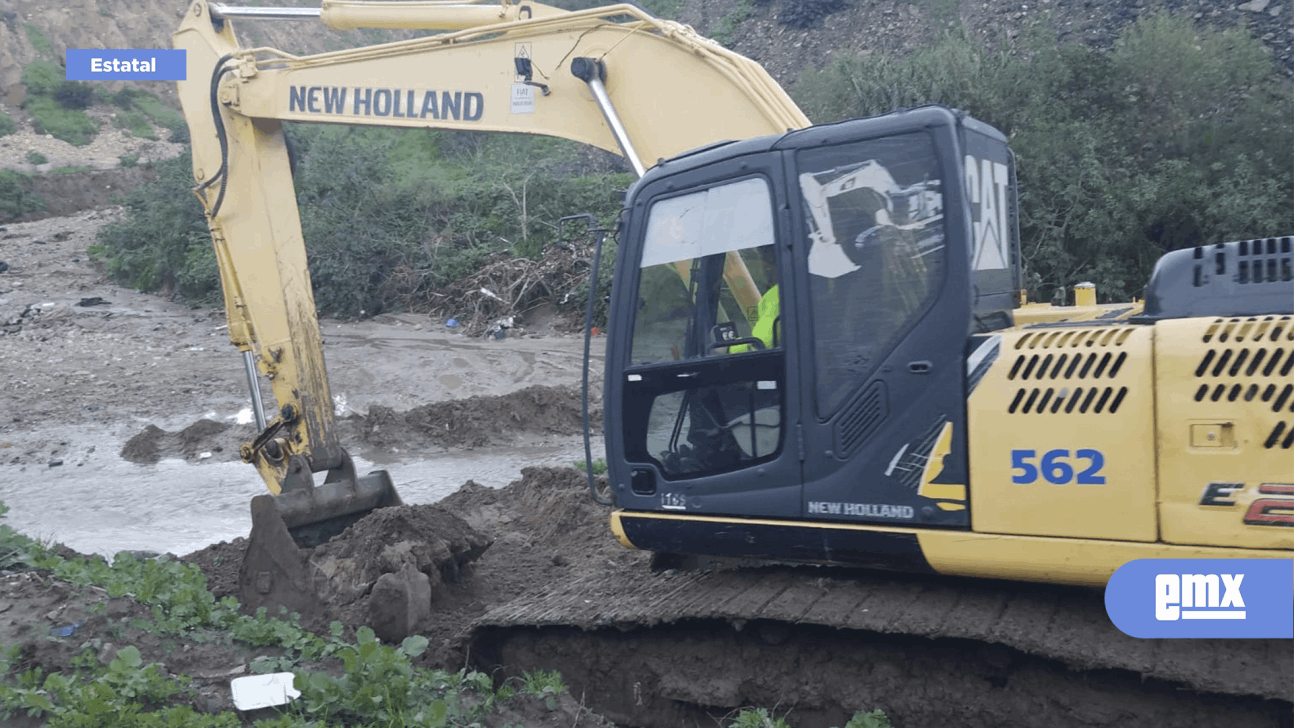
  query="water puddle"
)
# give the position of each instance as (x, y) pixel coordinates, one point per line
(102, 504)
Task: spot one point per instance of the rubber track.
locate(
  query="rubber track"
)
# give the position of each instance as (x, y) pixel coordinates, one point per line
(1060, 623)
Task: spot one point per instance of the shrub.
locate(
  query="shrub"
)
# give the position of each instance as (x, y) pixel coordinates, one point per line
(73, 126)
(7, 125)
(17, 197)
(128, 160)
(74, 94)
(42, 77)
(1177, 137)
(36, 158)
(162, 243)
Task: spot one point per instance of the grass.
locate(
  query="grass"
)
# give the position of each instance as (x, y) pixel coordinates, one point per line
(599, 466)
(73, 126)
(158, 112)
(728, 24)
(39, 40)
(135, 123)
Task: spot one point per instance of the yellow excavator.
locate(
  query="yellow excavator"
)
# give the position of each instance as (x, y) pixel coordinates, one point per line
(906, 409)
(507, 67)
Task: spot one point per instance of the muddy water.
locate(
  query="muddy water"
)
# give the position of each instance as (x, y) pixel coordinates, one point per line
(97, 503)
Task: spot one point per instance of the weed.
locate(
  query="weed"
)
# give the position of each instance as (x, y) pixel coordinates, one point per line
(73, 126)
(599, 466)
(126, 161)
(158, 112)
(545, 684)
(39, 40)
(7, 124)
(42, 77)
(36, 158)
(870, 719)
(135, 123)
(758, 718)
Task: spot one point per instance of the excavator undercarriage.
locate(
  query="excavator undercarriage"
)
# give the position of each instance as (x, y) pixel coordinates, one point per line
(820, 643)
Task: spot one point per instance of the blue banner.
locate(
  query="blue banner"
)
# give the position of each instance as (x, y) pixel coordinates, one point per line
(1215, 598)
(117, 64)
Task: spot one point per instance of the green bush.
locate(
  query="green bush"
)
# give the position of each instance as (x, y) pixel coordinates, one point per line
(42, 78)
(73, 126)
(36, 158)
(1176, 137)
(134, 123)
(388, 217)
(7, 125)
(17, 197)
(74, 94)
(162, 243)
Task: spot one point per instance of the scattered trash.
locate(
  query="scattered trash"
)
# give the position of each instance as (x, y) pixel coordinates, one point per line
(499, 329)
(452, 323)
(66, 630)
(263, 691)
(3, 266)
(204, 456)
(55, 463)
(94, 301)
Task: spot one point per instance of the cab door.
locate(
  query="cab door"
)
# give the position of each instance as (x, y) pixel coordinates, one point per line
(700, 389)
(882, 255)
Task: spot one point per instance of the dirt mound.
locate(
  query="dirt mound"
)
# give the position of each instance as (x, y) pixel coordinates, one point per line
(479, 421)
(199, 441)
(473, 422)
(479, 548)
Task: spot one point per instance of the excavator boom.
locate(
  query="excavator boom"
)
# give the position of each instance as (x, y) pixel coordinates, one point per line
(612, 77)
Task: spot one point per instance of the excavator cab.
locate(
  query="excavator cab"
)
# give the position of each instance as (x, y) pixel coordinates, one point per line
(893, 239)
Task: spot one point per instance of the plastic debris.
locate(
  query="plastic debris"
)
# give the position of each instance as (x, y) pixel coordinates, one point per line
(452, 323)
(263, 691)
(66, 630)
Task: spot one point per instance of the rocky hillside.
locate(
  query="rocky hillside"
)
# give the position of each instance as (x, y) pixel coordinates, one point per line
(786, 36)
(789, 36)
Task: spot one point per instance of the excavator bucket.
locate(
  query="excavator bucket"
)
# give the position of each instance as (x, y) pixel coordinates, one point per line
(286, 527)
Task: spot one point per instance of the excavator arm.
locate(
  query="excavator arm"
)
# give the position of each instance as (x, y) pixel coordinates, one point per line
(612, 77)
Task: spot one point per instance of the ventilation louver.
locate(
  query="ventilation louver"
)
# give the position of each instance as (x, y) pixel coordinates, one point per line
(1251, 360)
(1070, 371)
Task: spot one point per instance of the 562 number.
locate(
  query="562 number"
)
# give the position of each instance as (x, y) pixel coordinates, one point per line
(1056, 468)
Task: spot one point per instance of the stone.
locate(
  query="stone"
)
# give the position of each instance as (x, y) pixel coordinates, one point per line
(400, 604)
